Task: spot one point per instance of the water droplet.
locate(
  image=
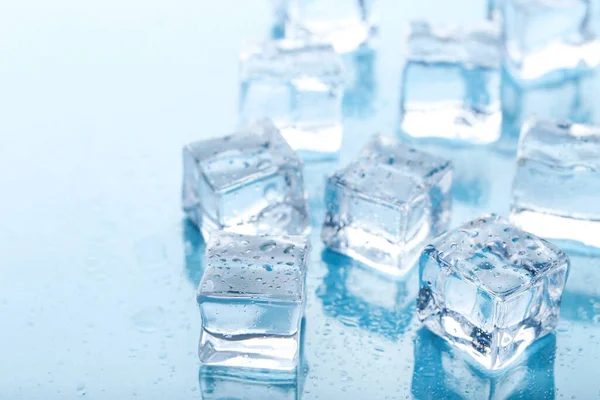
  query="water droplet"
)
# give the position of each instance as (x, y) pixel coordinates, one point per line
(148, 319)
(268, 246)
(289, 249)
(262, 164)
(268, 267)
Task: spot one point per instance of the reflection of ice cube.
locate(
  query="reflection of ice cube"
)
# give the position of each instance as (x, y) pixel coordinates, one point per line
(557, 184)
(546, 40)
(451, 83)
(249, 182)
(299, 85)
(218, 383)
(251, 298)
(359, 296)
(385, 204)
(347, 24)
(491, 289)
(440, 373)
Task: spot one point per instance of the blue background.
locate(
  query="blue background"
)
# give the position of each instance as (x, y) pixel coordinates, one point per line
(97, 267)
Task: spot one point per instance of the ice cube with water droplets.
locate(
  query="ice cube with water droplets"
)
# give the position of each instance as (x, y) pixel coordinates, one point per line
(557, 182)
(386, 203)
(491, 289)
(249, 182)
(251, 299)
(451, 83)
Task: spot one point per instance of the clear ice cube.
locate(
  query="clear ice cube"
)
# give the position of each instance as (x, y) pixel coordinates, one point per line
(346, 24)
(544, 40)
(299, 85)
(382, 206)
(251, 299)
(451, 83)
(557, 184)
(250, 182)
(491, 289)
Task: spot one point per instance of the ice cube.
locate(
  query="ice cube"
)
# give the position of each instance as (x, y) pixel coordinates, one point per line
(249, 182)
(451, 83)
(491, 289)
(347, 24)
(557, 184)
(382, 206)
(299, 85)
(544, 40)
(251, 298)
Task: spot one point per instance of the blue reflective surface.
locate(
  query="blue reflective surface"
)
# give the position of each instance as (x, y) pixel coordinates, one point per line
(98, 268)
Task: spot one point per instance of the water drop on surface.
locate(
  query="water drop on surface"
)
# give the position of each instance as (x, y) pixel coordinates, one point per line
(268, 246)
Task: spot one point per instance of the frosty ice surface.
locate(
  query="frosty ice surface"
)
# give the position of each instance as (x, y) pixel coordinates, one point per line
(249, 182)
(546, 38)
(451, 83)
(299, 85)
(556, 189)
(347, 24)
(491, 289)
(381, 207)
(251, 298)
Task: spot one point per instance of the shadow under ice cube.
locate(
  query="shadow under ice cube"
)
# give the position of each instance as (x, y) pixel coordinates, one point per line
(298, 83)
(451, 83)
(556, 189)
(251, 299)
(250, 182)
(544, 40)
(381, 207)
(491, 289)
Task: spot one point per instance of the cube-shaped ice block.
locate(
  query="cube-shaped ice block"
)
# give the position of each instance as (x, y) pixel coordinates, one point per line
(251, 298)
(249, 182)
(491, 289)
(299, 85)
(556, 189)
(451, 83)
(382, 206)
(347, 24)
(546, 39)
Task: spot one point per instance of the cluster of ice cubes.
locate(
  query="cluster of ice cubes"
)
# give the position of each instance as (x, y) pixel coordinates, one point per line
(488, 287)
